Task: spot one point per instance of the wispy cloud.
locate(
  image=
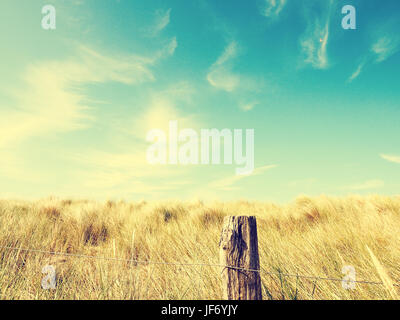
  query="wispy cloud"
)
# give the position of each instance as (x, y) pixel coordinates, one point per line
(390, 158)
(314, 46)
(367, 185)
(168, 50)
(226, 184)
(52, 100)
(314, 43)
(162, 20)
(248, 106)
(49, 104)
(272, 8)
(243, 87)
(357, 72)
(381, 50)
(221, 75)
(385, 47)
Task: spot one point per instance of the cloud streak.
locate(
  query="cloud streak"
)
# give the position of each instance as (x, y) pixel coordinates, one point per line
(163, 18)
(52, 102)
(385, 47)
(357, 72)
(390, 158)
(314, 42)
(272, 8)
(381, 50)
(221, 75)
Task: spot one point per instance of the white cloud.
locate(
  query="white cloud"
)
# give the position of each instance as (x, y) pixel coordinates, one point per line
(226, 184)
(248, 106)
(381, 50)
(391, 158)
(51, 102)
(172, 46)
(163, 18)
(221, 75)
(314, 46)
(223, 79)
(229, 53)
(370, 184)
(314, 43)
(385, 47)
(357, 72)
(168, 50)
(273, 8)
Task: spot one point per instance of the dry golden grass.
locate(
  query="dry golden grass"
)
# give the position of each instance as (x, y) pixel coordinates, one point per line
(311, 236)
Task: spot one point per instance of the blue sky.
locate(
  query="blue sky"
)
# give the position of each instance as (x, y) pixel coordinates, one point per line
(76, 102)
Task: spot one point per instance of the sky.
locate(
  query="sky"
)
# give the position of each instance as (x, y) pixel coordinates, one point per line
(77, 102)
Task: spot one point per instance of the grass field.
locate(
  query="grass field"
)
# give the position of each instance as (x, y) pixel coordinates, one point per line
(310, 236)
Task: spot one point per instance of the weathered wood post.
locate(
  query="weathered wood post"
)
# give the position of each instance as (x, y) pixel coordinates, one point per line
(239, 251)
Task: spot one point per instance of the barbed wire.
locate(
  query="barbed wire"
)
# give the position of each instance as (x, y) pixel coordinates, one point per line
(323, 278)
(284, 274)
(76, 255)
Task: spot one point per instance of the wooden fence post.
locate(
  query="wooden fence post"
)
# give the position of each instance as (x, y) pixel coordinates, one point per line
(239, 249)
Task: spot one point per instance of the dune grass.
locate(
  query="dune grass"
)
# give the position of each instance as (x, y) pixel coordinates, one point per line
(310, 236)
